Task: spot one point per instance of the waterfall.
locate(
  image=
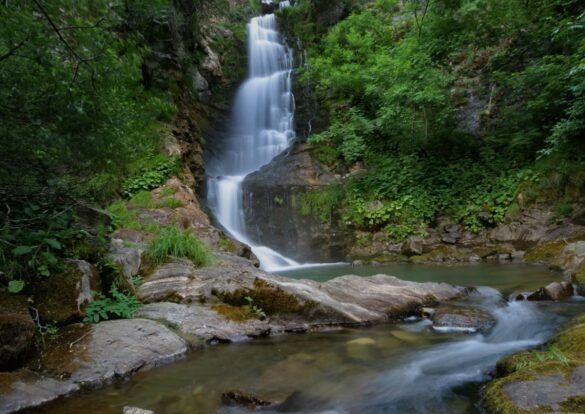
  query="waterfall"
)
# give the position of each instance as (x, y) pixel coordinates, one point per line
(263, 127)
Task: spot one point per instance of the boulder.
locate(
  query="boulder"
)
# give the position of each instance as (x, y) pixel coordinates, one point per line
(413, 246)
(97, 354)
(462, 318)
(553, 291)
(128, 256)
(203, 323)
(62, 298)
(343, 300)
(275, 208)
(17, 331)
(29, 389)
(89, 356)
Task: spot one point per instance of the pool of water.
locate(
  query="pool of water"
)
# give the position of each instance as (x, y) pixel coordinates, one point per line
(394, 368)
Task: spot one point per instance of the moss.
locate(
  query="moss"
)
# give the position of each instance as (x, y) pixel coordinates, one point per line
(579, 277)
(496, 401)
(270, 299)
(7, 379)
(574, 404)
(235, 313)
(572, 341)
(67, 353)
(565, 352)
(545, 252)
(56, 297)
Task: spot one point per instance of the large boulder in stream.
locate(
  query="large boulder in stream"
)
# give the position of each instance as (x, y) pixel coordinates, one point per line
(234, 287)
(276, 213)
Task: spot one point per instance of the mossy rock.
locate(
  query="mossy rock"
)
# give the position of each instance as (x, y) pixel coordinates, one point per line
(270, 299)
(554, 367)
(579, 277)
(545, 252)
(59, 298)
(17, 331)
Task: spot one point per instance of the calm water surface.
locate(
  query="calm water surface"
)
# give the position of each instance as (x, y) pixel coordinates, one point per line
(402, 368)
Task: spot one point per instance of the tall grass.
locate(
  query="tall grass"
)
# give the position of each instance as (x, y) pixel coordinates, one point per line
(178, 243)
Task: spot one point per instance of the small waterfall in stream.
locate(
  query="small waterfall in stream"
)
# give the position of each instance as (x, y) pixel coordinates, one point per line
(263, 119)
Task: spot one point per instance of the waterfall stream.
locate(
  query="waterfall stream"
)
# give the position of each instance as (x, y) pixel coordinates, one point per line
(263, 127)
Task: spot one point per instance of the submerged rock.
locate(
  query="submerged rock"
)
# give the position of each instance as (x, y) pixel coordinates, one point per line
(240, 399)
(136, 410)
(460, 318)
(17, 331)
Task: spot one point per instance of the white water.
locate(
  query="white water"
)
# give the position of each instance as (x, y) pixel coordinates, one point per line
(263, 119)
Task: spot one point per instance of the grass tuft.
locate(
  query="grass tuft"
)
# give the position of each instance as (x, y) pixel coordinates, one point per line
(178, 243)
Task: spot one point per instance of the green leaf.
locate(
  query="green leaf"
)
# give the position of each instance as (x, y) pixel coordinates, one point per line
(15, 286)
(22, 250)
(53, 243)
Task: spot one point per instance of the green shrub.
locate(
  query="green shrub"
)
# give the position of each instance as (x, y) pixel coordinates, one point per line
(118, 306)
(152, 173)
(178, 243)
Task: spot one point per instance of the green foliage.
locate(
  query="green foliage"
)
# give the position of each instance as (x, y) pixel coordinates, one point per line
(117, 306)
(16, 286)
(396, 79)
(35, 235)
(322, 203)
(178, 243)
(152, 173)
(71, 93)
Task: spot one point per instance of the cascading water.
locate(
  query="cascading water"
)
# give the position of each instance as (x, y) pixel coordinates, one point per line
(263, 119)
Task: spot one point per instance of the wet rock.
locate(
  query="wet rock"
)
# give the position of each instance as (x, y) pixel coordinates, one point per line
(136, 410)
(30, 390)
(273, 201)
(413, 246)
(96, 354)
(571, 256)
(62, 298)
(553, 291)
(357, 263)
(202, 322)
(240, 399)
(17, 331)
(293, 303)
(460, 318)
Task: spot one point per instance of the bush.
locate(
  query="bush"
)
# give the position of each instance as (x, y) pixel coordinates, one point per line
(118, 306)
(178, 243)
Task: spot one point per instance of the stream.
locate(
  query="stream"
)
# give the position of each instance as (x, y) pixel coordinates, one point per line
(390, 368)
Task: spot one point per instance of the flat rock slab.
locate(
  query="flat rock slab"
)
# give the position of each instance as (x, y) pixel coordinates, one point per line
(547, 393)
(89, 356)
(31, 390)
(202, 322)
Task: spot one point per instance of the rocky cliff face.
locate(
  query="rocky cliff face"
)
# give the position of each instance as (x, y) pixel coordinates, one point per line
(199, 61)
(274, 213)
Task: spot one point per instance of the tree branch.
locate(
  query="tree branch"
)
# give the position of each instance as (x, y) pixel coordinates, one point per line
(11, 51)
